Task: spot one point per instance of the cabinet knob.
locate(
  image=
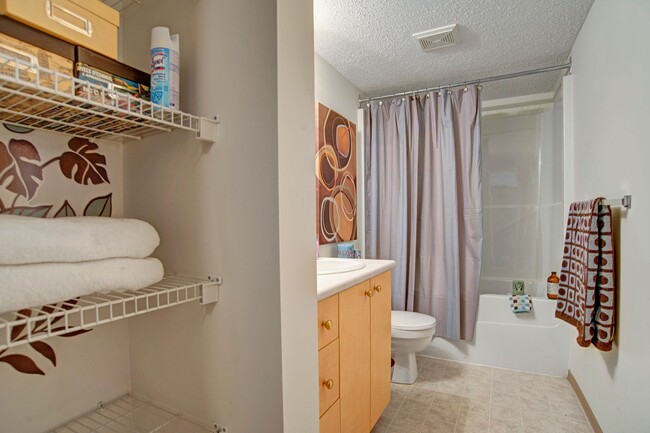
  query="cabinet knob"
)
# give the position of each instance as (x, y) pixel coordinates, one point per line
(369, 293)
(329, 384)
(378, 288)
(327, 324)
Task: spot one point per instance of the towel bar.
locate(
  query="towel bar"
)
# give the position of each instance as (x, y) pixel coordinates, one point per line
(626, 201)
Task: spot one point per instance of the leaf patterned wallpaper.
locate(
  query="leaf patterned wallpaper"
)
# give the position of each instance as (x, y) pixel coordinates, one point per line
(48, 175)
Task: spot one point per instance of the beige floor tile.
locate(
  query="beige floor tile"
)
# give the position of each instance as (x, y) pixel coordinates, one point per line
(433, 425)
(460, 428)
(407, 422)
(572, 426)
(445, 407)
(478, 392)
(537, 400)
(505, 387)
(454, 397)
(533, 428)
(414, 407)
(476, 405)
(432, 363)
(380, 427)
(423, 391)
(501, 411)
(474, 418)
(430, 375)
(452, 385)
(505, 426)
(505, 398)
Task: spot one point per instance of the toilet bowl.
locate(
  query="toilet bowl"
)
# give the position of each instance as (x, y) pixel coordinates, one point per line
(410, 333)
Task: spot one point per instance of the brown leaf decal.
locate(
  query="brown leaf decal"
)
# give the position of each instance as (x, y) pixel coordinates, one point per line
(22, 363)
(45, 350)
(83, 164)
(20, 171)
(65, 211)
(31, 211)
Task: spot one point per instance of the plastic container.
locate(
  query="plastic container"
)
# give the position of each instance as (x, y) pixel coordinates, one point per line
(552, 285)
(165, 68)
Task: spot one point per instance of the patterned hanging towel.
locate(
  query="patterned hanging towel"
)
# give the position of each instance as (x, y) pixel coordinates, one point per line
(520, 303)
(586, 293)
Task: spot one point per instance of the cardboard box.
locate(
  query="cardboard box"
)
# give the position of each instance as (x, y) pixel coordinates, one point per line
(89, 23)
(111, 74)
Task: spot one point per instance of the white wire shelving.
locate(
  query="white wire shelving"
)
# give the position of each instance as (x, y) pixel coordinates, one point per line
(75, 315)
(36, 97)
(131, 414)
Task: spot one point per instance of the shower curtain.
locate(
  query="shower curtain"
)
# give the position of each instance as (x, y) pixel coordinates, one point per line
(423, 203)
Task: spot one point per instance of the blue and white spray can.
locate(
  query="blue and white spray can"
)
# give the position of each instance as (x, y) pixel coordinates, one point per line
(165, 67)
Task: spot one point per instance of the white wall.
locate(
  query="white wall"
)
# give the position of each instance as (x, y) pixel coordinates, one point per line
(612, 150)
(334, 91)
(297, 198)
(223, 208)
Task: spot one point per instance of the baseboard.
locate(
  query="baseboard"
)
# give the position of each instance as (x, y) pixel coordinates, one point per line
(585, 405)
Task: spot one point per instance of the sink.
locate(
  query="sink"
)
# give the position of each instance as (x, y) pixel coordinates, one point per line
(327, 266)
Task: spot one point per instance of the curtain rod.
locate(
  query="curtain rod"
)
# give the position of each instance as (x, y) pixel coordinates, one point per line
(479, 81)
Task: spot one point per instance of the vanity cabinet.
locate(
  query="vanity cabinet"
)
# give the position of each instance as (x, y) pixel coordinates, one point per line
(362, 323)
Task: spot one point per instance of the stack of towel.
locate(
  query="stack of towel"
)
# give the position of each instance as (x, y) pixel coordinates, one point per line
(45, 261)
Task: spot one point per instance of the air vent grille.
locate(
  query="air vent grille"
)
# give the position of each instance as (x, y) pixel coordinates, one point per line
(437, 38)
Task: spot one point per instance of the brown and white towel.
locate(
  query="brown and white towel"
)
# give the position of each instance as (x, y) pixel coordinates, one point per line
(586, 293)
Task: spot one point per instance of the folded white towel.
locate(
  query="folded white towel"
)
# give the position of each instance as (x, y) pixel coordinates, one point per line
(73, 239)
(23, 286)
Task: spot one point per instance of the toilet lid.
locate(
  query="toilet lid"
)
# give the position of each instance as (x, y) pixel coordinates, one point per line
(410, 321)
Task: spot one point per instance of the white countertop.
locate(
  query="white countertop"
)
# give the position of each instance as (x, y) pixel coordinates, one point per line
(328, 285)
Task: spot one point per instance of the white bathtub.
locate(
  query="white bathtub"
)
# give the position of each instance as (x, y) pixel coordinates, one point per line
(535, 342)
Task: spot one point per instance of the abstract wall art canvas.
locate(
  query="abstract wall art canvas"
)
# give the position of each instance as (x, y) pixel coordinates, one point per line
(336, 177)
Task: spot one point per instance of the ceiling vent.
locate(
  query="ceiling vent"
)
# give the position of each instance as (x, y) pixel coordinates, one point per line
(437, 38)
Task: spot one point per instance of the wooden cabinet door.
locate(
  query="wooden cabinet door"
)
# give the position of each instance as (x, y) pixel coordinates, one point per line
(380, 314)
(330, 422)
(354, 339)
(328, 375)
(328, 321)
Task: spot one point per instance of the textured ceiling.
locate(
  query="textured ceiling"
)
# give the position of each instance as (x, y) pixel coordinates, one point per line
(370, 43)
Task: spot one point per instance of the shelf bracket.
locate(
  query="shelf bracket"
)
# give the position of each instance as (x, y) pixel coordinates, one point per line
(208, 129)
(210, 290)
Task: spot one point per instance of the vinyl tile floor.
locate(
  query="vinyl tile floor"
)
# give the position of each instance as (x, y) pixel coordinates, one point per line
(455, 397)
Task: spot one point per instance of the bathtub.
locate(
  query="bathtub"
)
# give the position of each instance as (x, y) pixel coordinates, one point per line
(536, 342)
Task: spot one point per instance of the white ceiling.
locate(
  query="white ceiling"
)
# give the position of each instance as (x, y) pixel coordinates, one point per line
(370, 43)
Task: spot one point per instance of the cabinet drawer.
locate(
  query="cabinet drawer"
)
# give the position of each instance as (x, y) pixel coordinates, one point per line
(330, 422)
(89, 23)
(328, 375)
(328, 321)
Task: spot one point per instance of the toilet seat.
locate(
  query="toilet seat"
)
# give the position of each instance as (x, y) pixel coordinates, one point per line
(411, 321)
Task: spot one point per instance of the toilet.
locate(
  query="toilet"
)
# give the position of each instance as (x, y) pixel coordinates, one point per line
(410, 333)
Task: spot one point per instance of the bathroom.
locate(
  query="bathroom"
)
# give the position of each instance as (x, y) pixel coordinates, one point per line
(241, 210)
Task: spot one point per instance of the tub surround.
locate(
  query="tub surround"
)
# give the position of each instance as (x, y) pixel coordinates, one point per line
(329, 285)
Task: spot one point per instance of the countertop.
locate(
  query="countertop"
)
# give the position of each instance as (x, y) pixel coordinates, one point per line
(328, 285)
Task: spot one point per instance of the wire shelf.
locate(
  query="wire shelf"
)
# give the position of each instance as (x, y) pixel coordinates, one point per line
(131, 415)
(33, 324)
(35, 97)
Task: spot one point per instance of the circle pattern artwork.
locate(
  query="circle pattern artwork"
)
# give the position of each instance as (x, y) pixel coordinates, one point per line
(336, 177)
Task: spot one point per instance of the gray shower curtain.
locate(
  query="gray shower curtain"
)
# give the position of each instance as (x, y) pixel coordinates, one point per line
(423, 203)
